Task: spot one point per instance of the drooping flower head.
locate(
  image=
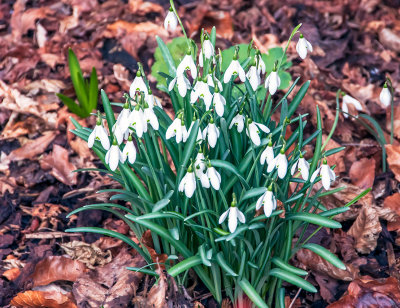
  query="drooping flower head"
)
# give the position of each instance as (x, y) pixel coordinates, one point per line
(301, 165)
(280, 162)
(303, 46)
(234, 215)
(99, 133)
(327, 175)
(187, 63)
(114, 156)
(273, 81)
(349, 100)
(170, 21)
(138, 85)
(268, 201)
(234, 69)
(129, 151)
(385, 97)
(238, 121)
(188, 183)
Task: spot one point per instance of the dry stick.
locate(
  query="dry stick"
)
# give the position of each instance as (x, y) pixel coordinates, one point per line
(297, 295)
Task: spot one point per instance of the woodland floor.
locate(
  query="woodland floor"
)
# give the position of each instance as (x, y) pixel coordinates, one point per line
(356, 44)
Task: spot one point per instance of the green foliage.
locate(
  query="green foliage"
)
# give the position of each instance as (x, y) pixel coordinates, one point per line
(86, 91)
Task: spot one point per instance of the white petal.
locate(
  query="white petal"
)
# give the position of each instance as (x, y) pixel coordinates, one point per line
(170, 21)
(229, 71)
(282, 165)
(232, 220)
(345, 109)
(332, 174)
(309, 46)
(304, 167)
(301, 48)
(325, 176)
(293, 169)
(385, 97)
(172, 84)
(260, 202)
(241, 72)
(183, 86)
(241, 217)
(272, 165)
(182, 184)
(190, 186)
(315, 174)
(268, 203)
(92, 136)
(223, 216)
(118, 133)
(264, 128)
(273, 83)
(266, 85)
(214, 177)
(103, 136)
(347, 99)
(114, 157)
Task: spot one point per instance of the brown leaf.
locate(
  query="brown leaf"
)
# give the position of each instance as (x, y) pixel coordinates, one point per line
(389, 39)
(382, 293)
(140, 7)
(156, 296)
(60, 166)
(39, 299)
(56, 268)
(12, 273)
(335, 159)
(362, 173)
(367, 227)
(111, 285)
(393, 158)
(32, 149)
(122, 27)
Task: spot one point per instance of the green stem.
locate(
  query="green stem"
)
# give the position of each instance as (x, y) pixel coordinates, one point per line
(180, 22)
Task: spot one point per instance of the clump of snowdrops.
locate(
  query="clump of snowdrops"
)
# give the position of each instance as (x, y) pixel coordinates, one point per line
(222, 187)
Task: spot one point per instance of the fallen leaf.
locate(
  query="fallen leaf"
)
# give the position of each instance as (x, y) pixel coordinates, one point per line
(362, 172)
(140, 7)
(389, 39)
(60, 166)
(367, 227)
(383, 293)
(335, 159)
(122, 27)
(38, 299)
(156, 296)
(12, 273)
(393, 158)
(54, 268)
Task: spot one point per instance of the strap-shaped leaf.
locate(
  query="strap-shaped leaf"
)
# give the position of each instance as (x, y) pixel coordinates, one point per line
(252, 293)
(314, 219)
(224, 265)
(185, 265)
(93, 90)
(326, 254)
(167, 56)
(293, 279)
(287, 267)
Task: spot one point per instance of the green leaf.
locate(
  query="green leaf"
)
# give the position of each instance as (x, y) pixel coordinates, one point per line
(254, 192)
(287, 267)
(163, 202)
(184, 265)
(298, 98)
(252, 293)
(108, 110)
(293, 279)
(224, 265)
(143, 270)
(314, 219)
(72, 106)
(93, 91)
(231, 168)
(77, 78)
(326, 254)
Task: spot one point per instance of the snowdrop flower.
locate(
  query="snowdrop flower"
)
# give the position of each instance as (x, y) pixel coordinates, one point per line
(327, 175)
(123, 118)
(214, 177)
(170, 21)
(129, 151)
(138, 85)
(118, 133)
(150, 118)
(113, 156)
(210, 82)
(303, 166)
(212, 132)
(234, 69)
(201, 90)
(385, 97)
(303, 46)
(178, 130)
(187, 64)
(280, 162)
(253, 130)
(136, 121)
(267, 200)
(253, 76)
(347, 99)
(152, 101)
(260, 63)
(183, 84)
(199, 134)
(99, 133)
(208, 51)
(188, 183)
(234, 215)
(273, 82)
(219, 102)
(267, 156)
(199, 169)
(238, 121)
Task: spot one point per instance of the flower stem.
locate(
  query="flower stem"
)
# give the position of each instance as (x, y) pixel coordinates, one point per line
(180, 22)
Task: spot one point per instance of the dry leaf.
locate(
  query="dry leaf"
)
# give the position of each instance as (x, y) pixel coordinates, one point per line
(367, 227)
(335, 159)
(12, 273)
(60, 166)
(382, 293)
(56, 268)
(389, 39)
(122, 27)
(140, 7)
(362, 173)
(39, 299)
(393, 158)
(156, 296)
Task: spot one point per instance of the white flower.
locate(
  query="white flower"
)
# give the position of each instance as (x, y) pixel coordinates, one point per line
(151, 118)
(210, 82)
(201, 90)
(234, 69)
(182, 83)
(267, 200)
(113, 156)
(187, 64)
(123, 118)
(253, 76)
(199, 134)
(385, 97)
(208, 51)
(253, 131)
(234, 215)
(303, 46)
(303, 166)
(178, 130)
(136, 121)
(188, 183)
(272, 82)
(152, 101)
(129, 151)
(267, 156)
(214, 177)
(238, 121)
(327, 175)
(347, 99)
(281, 163)
(219, 102)
(99, 133)
(138, 85)
(170, 21)
(260, 64)
(212, 132)
(199, 168)
(118, 133)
